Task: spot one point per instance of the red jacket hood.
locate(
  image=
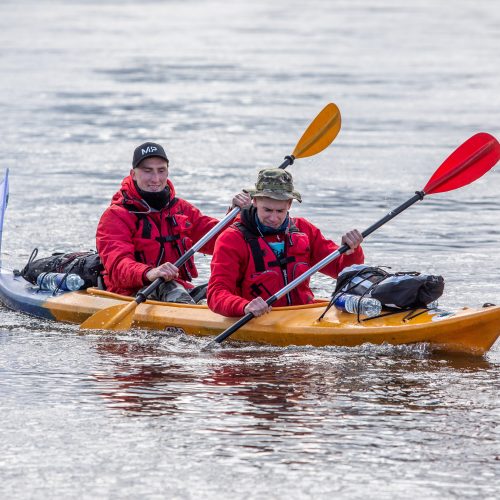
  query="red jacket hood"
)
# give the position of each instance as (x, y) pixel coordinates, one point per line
(128, 196)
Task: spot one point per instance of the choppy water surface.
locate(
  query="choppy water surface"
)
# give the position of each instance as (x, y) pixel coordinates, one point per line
(229, 88)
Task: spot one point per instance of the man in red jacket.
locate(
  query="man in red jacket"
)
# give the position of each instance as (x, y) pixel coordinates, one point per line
(257, 256)
(147, 228)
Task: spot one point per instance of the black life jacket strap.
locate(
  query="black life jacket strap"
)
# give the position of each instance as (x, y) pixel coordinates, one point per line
(146, 226)
(258, 288)
(282, 263)
(167, 239)
(172, 202)
(292, 228)
(173, 239)
(253, 242)
(172, 220)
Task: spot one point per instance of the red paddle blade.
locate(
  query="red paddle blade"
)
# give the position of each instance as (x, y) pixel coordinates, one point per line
(467, 163)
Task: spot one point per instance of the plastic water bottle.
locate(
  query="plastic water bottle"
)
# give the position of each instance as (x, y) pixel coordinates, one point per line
(367, 306)
(61, 281)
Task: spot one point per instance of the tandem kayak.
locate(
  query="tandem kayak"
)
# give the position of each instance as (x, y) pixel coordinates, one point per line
(467, 330)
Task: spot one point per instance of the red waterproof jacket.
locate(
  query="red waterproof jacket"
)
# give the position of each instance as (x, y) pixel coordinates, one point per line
(237, 278)
(132, 239)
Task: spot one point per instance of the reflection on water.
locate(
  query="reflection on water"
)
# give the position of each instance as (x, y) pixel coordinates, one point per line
(137, 380)
(292, 409)
(273, 384)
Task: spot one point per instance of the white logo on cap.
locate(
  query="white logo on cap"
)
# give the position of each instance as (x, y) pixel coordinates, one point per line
(149, 149)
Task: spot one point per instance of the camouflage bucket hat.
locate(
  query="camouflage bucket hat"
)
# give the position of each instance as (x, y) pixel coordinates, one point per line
(274, 183)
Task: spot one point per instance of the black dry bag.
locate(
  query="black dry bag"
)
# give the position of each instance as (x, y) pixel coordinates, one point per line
(402, 290)
(86, 264)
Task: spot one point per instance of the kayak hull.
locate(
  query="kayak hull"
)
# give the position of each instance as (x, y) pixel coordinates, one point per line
(472, 331)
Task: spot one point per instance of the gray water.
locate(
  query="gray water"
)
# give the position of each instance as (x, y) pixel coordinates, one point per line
(228, 88)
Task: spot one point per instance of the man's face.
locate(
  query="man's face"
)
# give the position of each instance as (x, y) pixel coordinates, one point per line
(271, 212)
(151, 175)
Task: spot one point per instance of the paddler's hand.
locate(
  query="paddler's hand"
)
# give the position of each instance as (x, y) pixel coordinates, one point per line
(167, 271)
(241, 200)
(352, 239)
(257, 307)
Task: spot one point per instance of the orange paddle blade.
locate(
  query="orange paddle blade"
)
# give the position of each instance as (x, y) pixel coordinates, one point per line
(320, 133)
(118, 317)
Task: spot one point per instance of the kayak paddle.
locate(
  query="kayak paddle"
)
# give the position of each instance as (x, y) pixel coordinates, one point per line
(467, 163)
(320, 134)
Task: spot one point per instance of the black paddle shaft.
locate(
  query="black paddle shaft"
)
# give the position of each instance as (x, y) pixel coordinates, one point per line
(288, 161)
(419, 195)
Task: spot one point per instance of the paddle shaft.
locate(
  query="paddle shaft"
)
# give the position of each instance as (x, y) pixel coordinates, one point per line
(288, 161)
(143, 295)
(322, 263)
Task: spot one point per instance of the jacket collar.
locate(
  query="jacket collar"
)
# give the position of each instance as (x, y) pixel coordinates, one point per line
(128, 197)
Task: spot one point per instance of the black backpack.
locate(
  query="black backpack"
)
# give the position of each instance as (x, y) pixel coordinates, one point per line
(402, 290)
(86, 264)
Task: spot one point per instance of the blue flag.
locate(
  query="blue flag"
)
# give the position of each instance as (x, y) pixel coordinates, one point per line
(4, 198)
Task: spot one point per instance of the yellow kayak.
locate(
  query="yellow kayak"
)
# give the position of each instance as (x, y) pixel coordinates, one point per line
(467, 330)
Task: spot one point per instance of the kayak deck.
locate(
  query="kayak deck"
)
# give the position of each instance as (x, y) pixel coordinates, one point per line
(467, 330)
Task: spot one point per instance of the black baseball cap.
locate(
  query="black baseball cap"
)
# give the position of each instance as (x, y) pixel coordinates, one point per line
(145, 151)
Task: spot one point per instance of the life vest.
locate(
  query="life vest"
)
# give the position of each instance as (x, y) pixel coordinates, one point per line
(266, 274)
(167, 241)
